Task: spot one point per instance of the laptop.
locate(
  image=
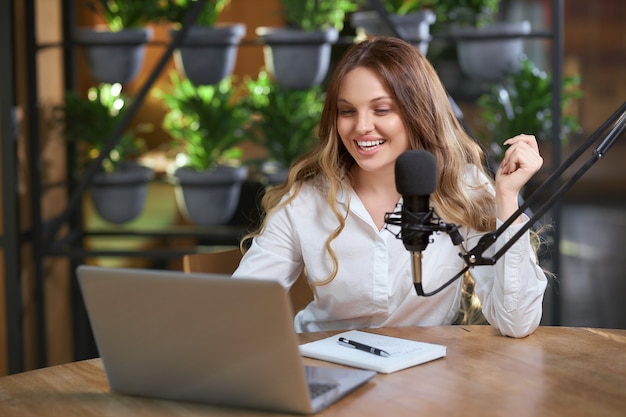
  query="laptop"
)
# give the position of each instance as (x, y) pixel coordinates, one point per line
(205, 338)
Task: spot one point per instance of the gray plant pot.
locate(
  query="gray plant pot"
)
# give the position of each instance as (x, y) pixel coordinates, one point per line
(114, 57)
(484, 56)
(209, 198)
(415, 27)
(295, 58)
(458, 84)
(119, 197)
(208, 54)
(274, 173)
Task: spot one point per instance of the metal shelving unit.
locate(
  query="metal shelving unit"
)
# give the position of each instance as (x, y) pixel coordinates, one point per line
(10, 239)
(42, 235)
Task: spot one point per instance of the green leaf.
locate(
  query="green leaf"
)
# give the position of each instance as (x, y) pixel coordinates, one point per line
(90, 121)
(528, 93)
(284, 120)
(206, 122)
(312, 15)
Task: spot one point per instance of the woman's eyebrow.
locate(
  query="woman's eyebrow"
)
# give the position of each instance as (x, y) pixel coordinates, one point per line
(374, 100)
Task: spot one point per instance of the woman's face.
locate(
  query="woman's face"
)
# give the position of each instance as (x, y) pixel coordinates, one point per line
(369, 122)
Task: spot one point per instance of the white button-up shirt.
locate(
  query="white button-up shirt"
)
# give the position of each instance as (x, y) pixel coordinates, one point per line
(374, 283)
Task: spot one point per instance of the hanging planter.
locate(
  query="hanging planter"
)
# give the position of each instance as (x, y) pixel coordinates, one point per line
(298, 55)
(208, 54)
(115, 52)
(119, 187)
(486, 49)
(414, 27)
(488, 53)
(114, 57)
(295, 58)
(209, 197)
(120, 196)
(206, 123)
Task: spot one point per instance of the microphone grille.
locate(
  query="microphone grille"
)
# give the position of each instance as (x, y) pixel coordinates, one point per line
(416, 173)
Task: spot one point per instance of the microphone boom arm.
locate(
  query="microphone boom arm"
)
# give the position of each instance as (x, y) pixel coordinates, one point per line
(618, 120)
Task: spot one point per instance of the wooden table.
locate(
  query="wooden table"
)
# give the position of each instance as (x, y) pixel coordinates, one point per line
(557, 371)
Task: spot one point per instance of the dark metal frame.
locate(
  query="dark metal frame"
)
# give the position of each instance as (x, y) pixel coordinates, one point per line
(11, 240)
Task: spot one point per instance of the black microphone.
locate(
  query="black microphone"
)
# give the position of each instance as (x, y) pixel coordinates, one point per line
(416, 179)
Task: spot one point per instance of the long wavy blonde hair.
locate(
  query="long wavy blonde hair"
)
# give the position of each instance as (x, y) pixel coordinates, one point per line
(431, 125)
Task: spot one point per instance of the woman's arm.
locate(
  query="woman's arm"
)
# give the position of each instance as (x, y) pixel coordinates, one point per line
(512, 290)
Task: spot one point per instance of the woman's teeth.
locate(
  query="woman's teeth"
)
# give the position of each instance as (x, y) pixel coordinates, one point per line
(369, 144)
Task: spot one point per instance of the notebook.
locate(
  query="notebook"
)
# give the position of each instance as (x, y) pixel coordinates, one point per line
(399, 353)
(205, 338)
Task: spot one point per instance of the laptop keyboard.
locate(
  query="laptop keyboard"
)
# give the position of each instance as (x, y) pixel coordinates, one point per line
(319, 388)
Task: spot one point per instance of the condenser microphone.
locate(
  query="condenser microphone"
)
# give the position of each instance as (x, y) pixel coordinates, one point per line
(416, 179)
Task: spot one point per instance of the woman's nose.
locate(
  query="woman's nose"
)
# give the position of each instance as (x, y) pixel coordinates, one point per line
(364, 123)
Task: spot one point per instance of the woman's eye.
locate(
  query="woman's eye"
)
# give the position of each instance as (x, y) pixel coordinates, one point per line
(382, 111)
(346, 112)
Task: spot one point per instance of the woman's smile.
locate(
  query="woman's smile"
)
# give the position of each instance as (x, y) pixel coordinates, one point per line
(369, 145)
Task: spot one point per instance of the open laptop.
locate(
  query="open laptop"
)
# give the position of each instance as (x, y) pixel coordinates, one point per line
(205, 338)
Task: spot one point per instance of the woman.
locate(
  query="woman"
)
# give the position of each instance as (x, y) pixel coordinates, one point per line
(385, 98)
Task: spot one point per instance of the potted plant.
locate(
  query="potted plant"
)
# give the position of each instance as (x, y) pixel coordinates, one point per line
(206, 123)
(487, 49)
(411, 18)
(284, 121)
(522, 102)
(116, 52)
(209, 50)
(119, 188)
(298, 56)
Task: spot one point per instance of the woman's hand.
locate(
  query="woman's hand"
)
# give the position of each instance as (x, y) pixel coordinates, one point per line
(521, 161)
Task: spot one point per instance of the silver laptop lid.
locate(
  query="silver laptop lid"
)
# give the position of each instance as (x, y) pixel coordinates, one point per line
(201, 337)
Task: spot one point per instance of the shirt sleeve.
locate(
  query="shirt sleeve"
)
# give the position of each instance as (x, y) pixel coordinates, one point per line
(511, 291)
(275, 254)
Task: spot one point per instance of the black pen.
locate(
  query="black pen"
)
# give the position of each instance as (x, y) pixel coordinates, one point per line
(360, 346)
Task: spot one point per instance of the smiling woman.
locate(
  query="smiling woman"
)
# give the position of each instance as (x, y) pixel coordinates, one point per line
(383, 99)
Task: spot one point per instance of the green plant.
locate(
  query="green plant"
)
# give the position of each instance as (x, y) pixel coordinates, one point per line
(124, 14)
(403, 7)
(312, 15)
(478, 13)
(88, 122)
(522, 104)
(175, 11)
(284, 120)
(207, 122)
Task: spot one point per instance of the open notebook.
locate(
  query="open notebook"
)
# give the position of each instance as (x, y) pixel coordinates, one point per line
(205, 338)
(399, 353)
